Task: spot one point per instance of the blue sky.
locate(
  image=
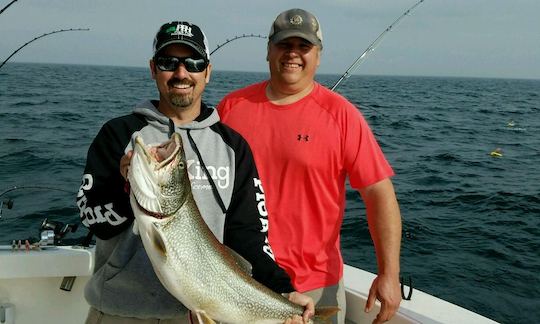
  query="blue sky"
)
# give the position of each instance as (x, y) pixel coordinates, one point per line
(477, 38)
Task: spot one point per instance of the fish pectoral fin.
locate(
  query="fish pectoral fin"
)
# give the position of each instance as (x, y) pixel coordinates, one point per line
(158, 242)
(135, 228)
(240, 261)
(323, 314)
(203, 318)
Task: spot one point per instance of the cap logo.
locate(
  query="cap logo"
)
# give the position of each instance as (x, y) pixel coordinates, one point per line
(181, 30)
(296, 20)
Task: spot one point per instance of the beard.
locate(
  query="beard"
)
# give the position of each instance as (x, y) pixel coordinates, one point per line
(181, 101)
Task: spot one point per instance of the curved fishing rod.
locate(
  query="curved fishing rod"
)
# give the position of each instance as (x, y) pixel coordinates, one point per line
(372, 46)
(46, 34)
(9, 4)
(9, 201)
(235, 38)
(32, 187)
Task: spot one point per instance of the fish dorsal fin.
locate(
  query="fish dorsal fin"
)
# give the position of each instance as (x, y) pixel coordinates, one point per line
(202, 318)
(240, 261)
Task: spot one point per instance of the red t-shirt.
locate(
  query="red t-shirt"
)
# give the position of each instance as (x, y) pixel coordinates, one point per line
(303, 152)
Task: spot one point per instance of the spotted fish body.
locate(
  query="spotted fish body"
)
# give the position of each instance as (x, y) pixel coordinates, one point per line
(188, 259)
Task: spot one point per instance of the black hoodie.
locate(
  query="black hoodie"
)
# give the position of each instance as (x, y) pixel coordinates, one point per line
(232, 204)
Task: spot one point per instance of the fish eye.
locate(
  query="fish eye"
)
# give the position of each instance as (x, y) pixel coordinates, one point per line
(181, 165)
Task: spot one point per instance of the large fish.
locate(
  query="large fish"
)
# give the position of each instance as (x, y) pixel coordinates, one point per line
(190, 262)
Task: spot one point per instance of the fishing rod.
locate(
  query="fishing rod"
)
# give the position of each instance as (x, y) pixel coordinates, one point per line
(235, 38)
(9, 4)
(9, 201)
(46, 34)
(372, 46)
(14, 188)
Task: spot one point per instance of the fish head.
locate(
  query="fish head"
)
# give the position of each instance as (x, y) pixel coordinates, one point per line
(158, 176)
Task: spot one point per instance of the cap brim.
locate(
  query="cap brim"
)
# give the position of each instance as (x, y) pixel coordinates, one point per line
(278, 37)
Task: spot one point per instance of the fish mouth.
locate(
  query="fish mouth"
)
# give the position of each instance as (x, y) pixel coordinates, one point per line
(154, 177)
(163, 154)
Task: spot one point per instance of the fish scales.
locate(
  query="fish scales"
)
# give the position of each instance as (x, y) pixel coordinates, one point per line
(187, 231)
(188, 259)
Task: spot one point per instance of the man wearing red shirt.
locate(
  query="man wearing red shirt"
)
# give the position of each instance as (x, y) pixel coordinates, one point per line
(306, 140)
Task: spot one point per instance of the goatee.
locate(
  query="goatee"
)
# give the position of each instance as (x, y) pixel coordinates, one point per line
(181, 101)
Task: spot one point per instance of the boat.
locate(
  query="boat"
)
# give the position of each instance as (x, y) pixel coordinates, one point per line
(420, 308)
(45, 285)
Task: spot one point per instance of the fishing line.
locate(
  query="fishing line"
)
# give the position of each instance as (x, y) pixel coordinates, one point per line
(36, 38)
(372, 46)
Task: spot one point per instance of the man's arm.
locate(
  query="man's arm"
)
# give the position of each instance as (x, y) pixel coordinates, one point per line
(384, 222)
(103, 203)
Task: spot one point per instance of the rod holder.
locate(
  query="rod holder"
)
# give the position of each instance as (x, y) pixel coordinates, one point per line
(7, 313)
(67, 283)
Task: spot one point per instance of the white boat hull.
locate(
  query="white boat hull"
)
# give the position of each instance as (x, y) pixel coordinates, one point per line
(30, 291)
(422, 308)
(30, 285)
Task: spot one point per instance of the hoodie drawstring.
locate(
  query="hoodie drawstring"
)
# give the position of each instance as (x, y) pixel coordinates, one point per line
(171, 128)
(210, 180)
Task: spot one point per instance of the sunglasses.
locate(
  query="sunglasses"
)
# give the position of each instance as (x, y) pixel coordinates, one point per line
(171, 63)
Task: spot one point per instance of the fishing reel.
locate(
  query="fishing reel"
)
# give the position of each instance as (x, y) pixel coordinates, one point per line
(52, 232)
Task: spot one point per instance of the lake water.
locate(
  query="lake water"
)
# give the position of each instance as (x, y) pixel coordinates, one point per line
(471, 222)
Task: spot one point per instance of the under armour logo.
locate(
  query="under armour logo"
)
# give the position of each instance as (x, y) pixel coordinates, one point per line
(303, 137)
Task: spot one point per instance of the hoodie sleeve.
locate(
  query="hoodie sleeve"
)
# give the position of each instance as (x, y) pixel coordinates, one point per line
(102, 199)
(246, 225)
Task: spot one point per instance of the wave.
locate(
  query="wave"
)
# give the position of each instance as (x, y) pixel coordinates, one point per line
(26, 103)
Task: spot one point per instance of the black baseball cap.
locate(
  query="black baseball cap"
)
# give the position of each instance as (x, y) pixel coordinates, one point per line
(182, 32)
(296, 23)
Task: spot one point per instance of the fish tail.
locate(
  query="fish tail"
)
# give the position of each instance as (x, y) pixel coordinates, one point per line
(324, 314)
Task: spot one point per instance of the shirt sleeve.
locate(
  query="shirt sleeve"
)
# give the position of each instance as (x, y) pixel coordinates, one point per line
(102, 199)
(246, 225)
(223, 108)
(363, 158)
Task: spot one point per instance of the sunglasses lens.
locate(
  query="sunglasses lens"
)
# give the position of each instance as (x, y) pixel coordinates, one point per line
(195, 65)
(166, 63)
(171, 63)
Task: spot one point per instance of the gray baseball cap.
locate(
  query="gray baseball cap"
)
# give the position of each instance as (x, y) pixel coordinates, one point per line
(296, 23)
